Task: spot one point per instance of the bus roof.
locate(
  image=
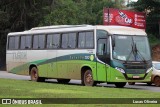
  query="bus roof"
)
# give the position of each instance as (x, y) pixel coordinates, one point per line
(122, 30)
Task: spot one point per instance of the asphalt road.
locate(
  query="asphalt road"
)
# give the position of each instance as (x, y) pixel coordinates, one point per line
(137, 86)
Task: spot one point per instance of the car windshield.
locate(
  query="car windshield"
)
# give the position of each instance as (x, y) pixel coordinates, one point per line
(130, 48)
(156, 66)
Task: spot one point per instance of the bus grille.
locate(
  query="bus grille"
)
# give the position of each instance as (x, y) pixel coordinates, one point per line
(135, 66)
(135, 71)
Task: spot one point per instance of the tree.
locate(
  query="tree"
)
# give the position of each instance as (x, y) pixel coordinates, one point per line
(76, 12)
(19, 15)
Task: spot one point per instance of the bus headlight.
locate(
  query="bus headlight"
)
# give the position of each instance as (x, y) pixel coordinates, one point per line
(120, 69)
(150, 69)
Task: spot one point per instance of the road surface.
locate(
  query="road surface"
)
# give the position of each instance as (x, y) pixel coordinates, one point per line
(137, 86)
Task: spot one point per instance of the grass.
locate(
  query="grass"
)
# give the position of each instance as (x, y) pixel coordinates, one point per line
(27, 89)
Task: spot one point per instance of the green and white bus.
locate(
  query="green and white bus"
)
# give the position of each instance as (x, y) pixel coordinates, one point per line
(92, 54)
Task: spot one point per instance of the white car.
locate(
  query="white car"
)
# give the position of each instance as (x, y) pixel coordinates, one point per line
(156, 73)
(155, 78)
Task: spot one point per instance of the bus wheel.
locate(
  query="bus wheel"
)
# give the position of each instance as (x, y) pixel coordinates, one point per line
(63, 81)
(34, 75)
(120, 84)
(149, 83)
(157, 81)
(131, 83)
(87, 79)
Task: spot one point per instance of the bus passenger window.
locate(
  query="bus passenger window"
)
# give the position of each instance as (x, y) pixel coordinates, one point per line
(13, 42)
(49, 41)
(55, 39)
(35, 42)
(64, 41)
(28, 42)
(38, 41)
(81, 40)
(22, 46)
(85, 40)
(41, 41)
(72, 40)
(25, 42)
(16, 42)
(89, 40)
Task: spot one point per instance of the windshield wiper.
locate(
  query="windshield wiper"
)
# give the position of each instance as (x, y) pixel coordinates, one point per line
(132, 51)
(137, 52)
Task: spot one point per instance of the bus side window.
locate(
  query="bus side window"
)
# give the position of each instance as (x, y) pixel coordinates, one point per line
(13, 42)
(35, 42)
(26, 42)
(49, 41)
(16, 42)
(22, 44)
(56, 41)
(41, 42)
(81, 40)
(89, 40)
(72, 40)
(86, 40)
(53, 41)
(64, 41)
(38, 41)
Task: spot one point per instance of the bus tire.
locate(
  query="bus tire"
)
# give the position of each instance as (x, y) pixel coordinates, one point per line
(63, 81)
(87, 78)
(131, 83)
(34, 75)
(149, 83)
(120, 84)
(157, 81)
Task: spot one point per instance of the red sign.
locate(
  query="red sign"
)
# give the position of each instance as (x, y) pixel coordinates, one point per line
(124, 18)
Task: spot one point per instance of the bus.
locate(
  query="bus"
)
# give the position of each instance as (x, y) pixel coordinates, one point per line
(92, 54)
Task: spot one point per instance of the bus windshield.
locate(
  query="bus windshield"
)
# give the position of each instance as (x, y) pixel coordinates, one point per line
(130, 48)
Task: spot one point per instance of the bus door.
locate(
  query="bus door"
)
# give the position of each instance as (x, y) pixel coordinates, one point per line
(103, 58)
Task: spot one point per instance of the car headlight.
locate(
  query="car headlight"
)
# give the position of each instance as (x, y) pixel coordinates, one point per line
(120, 69)
(150, 69)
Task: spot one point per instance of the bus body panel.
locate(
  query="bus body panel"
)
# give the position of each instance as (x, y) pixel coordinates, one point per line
(68, 63)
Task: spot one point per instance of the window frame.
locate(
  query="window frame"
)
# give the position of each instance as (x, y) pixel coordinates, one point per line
(60, 40)
(8, 47)
(45, 41)
(85, 39)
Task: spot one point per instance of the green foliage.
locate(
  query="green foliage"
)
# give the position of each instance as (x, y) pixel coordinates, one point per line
(20, 15)
(76, 12)
(153, 40)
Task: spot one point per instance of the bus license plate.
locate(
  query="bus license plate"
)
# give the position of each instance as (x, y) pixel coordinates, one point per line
(136, 77)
